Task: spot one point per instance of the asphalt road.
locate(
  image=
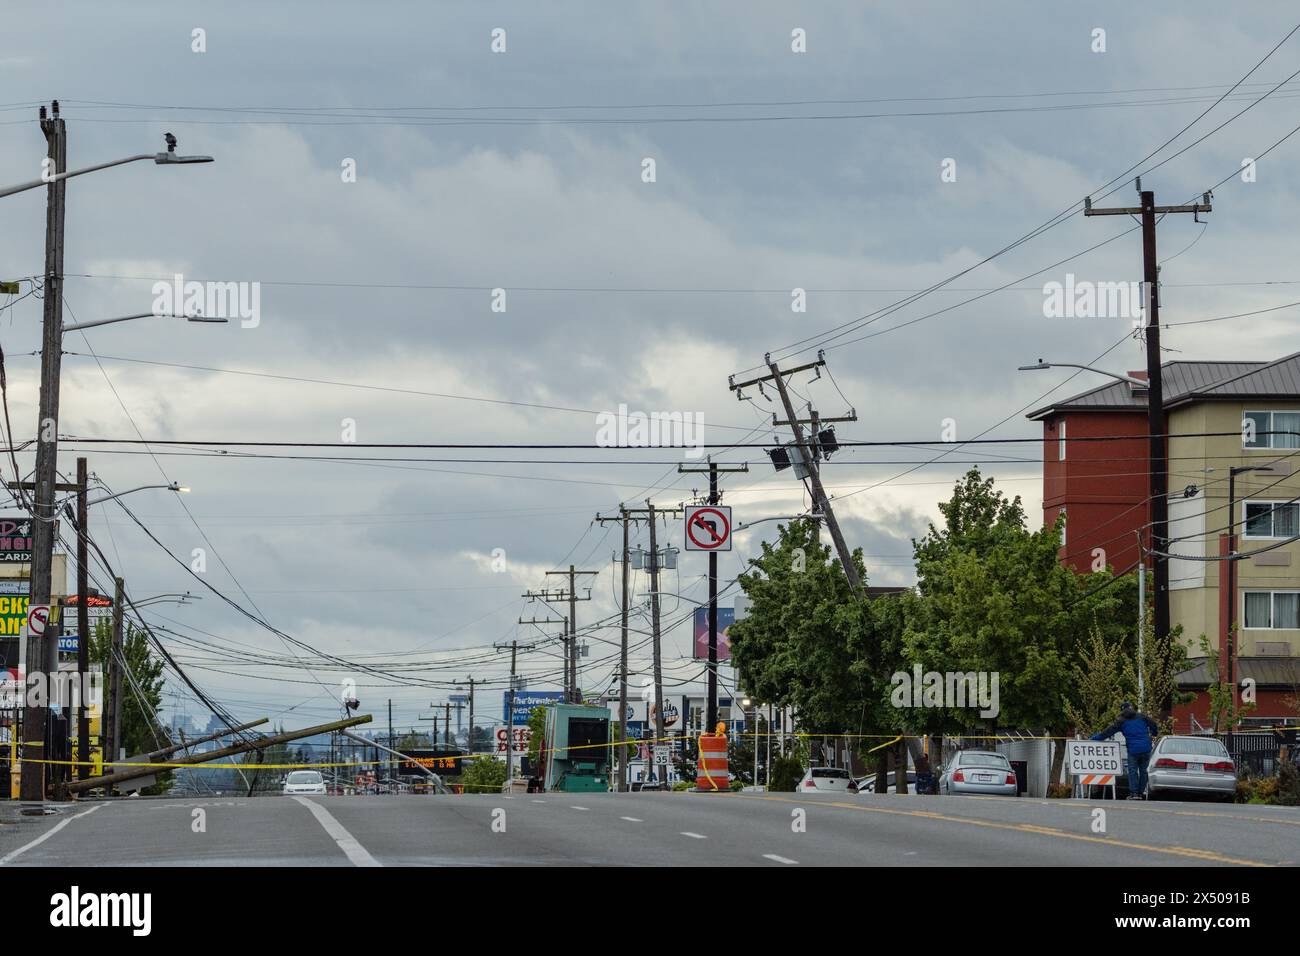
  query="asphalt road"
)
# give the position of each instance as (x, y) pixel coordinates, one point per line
(647, 829)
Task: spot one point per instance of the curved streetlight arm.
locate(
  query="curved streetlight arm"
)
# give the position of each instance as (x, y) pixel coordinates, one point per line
(162, 159)
(1100, 371)
(76, 326)
(172, 487)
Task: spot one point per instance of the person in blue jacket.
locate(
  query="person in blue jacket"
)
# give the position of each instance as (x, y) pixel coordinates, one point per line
(1138, 730)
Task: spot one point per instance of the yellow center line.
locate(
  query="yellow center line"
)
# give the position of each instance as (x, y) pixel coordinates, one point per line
(1208, 855)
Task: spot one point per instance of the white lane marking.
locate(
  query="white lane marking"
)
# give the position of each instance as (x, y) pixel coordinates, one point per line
(539, 801)
(632, 819)
(577, 808)
(346, 841)
(47, 834)
(694, 836)
(779, 859)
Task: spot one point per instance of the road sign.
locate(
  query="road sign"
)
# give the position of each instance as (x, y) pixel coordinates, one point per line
(1093, 763)
(661, 755)
(38, 616)
(708, 528)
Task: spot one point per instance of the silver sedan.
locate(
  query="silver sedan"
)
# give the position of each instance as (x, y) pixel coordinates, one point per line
(979, 771)
(1187, 765)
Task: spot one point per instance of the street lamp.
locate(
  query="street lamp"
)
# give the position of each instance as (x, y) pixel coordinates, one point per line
(746, 702)
(1040, 365)
(169, 158)
(172, 486)
(78, 326)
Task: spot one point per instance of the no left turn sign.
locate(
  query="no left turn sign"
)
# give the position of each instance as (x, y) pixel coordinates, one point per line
(708, 528)
(38, 616)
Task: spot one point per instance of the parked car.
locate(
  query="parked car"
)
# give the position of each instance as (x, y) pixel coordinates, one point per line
(979, 771)
(304, 781)
(831, 779)
(867, 784)
(1186, 765)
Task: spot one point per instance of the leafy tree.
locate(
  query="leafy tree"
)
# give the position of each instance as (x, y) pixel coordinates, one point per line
(1224, 710)
(805, 631)
(483, 775)
(140, 733)
(536, 729)
(1100, 685)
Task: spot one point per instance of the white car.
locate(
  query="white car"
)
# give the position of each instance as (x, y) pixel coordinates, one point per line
(304, 781)
(829, 779)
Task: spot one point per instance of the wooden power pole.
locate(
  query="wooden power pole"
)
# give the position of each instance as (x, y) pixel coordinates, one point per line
(1158, 463)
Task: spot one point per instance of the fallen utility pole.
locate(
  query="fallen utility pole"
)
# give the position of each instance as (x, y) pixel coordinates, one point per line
(809, 456)
(1158, 463)
(262, 743)
(156, 755)
(715, 496)
(437, 780)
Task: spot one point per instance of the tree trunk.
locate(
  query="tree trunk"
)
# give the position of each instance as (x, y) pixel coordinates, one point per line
(1058, 755)
(900, 768)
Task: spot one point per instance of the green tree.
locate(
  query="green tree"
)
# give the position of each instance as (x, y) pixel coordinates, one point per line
(1100, 685)
(140, 733)
(483, 775)
(536, 730)
(1225, 713)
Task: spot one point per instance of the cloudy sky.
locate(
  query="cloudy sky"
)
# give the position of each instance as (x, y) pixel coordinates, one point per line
(524, 170)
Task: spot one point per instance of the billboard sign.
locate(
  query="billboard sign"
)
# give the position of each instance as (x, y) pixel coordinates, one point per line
(726, 618)
(522, 736)
(526, 701)
(15, 540)
(440, 761)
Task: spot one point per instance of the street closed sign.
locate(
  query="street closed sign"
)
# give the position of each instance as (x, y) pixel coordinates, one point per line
(1088, 757)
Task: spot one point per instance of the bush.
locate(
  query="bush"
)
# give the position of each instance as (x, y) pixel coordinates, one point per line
(1288, 785)
(484, 775)
(787, 771)
(681, 785)
(1059, 791)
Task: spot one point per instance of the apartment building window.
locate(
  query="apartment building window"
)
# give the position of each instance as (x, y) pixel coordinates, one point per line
(1270, 430)
(1272, 610)
(1271, 519)
(1060, 441)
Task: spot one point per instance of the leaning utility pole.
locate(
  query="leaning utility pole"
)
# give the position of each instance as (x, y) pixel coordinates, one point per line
(42, 651)
(83, 626)
(715, 496)
(809, 456)
(1158, 464)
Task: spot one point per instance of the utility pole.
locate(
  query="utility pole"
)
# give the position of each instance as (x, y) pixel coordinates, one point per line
(469, 737)
(574, 693)
(715, 496)
(624, 516)
(42, 651)
(392, 743)
(112, 718)
(83, 625)
(1158, 464)
(809, 452)
(510, 708)
(654, 629)
(446, 737)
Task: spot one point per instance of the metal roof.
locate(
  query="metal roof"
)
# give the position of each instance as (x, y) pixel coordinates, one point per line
(1270, 672)
(1187, 381)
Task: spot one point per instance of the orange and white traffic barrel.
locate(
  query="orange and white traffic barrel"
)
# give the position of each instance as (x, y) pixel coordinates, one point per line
(711, 774)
